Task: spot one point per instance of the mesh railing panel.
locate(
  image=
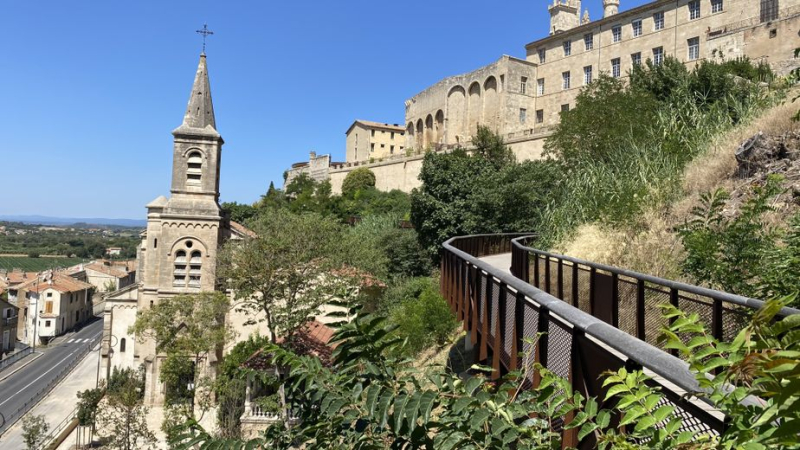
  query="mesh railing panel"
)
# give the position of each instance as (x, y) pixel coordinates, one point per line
(493, 316)
(482, 300)
(653, 318)
(510, 300)
(559, 345)
(733, 320)
(584, 289)
(531, 321)
(627, 291)
(554, 278)
(566, 274)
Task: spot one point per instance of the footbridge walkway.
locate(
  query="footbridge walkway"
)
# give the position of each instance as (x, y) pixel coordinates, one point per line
(594, 318)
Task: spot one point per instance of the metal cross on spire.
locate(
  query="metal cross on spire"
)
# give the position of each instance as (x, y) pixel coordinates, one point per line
(205, 32)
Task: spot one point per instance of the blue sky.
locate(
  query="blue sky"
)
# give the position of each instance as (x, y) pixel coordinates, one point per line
(90, 90)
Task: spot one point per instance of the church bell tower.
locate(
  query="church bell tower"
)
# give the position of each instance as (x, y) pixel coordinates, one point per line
(197, 148)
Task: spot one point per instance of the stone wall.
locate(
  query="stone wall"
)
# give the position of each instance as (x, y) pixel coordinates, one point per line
(403, 173)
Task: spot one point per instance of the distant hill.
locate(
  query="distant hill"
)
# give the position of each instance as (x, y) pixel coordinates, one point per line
(46, 220)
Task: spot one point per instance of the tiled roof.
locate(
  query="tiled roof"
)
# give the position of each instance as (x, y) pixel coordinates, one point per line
(378, 125)
(117, 271)
(241, 229)
(16, 277)
(310, 340)
(58, 281)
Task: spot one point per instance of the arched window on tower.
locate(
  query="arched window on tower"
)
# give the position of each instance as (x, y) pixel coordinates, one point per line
(194, 169)
(195, 265)
(122, 345)
(179, 274)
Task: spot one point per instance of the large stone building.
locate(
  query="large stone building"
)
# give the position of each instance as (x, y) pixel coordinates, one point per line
(372, 140)
(522, 99)
(178, 251)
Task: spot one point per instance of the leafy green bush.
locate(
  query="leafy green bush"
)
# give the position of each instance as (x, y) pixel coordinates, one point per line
(483, 192)
(126, 379)
(372, 399)
(624, 148)
(230, 385)
(424, 320)
(356, 180)
(742, 254)
(405, 256)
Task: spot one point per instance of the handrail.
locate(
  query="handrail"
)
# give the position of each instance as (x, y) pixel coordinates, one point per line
(512, 323)
(660, 362)
(692, 289)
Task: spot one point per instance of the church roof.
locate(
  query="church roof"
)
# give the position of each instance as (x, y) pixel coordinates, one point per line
(199, 117)
(159, 202)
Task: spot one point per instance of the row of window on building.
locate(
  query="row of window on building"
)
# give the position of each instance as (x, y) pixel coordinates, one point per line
(693, 46)
(391, 147)
(523, 114)
(637, 28)
(384, 131)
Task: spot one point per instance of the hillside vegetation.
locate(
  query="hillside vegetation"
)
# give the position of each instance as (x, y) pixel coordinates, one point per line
(631, 178)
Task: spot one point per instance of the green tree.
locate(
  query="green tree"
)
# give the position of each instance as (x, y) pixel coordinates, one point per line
(308, 195)
(284, 274)
(239, 212)
(122, 418)
(486, 192)
(423, 320)
(273, 199)
(729, 253)
(230, 385)
(605, 117)
(356, 180)
(34, 430)
(187, 328)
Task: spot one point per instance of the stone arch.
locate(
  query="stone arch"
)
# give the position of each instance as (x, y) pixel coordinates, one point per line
(181, 244)
(439, 126)
(429, 132)
(491, 103)
(420, 134)
(474, 108)
(456, 114)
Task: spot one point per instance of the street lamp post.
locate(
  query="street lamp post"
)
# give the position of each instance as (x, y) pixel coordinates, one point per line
(112, 343)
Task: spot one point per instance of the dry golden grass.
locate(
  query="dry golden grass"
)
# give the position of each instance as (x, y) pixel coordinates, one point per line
(715, 168)
(651, 245)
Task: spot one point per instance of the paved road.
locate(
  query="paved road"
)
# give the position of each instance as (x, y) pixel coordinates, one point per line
(21, 387)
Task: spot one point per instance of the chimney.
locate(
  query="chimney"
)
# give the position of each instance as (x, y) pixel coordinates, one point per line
(312, 155)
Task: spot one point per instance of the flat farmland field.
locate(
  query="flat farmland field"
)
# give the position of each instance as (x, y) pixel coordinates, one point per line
(27, 264)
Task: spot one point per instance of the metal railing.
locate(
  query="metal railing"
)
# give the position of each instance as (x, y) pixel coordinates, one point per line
(58, 429)
(7, 422)
(503, 315)
(629, 300)
(15, 357)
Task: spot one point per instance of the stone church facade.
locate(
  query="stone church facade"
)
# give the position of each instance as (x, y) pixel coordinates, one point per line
(522, 99)
(178, 251)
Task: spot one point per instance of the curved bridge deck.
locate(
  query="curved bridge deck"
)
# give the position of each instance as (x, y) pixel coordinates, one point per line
(590, 318)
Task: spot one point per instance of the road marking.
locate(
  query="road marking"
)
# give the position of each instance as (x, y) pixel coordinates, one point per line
(70, 341)
(39, 378)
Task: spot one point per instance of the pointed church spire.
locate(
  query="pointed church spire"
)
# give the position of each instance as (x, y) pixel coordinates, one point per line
(200, 111)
